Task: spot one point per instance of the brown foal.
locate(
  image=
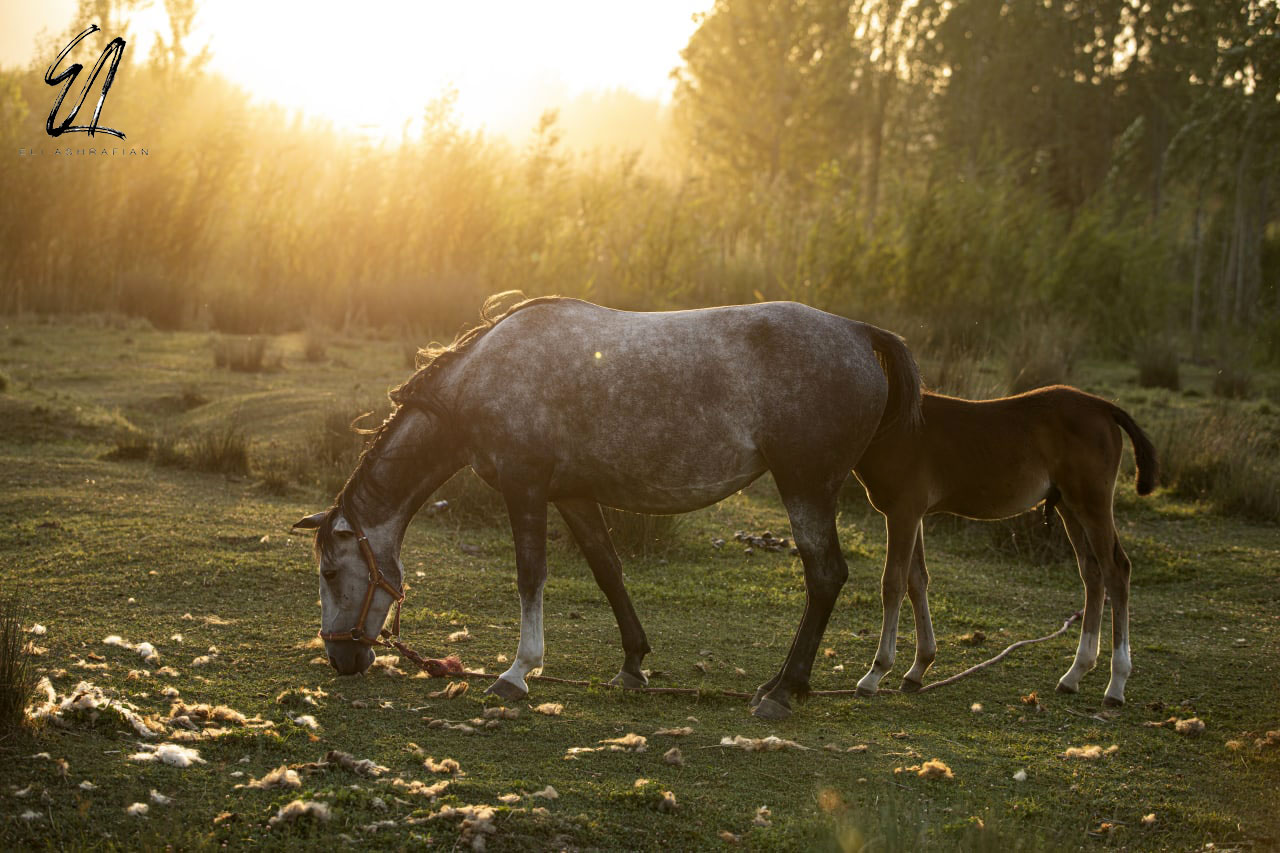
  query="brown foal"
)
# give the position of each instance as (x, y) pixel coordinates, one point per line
(991, 459)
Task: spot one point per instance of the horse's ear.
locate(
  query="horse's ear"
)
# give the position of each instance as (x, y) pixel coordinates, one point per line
(311, 522)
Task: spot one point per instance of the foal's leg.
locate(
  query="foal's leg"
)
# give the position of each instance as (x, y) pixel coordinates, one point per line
(592, 535)
(902, 531)
(813, 525)
(528, 512)
(1094, 596)
(918, 591)
(1100, 526)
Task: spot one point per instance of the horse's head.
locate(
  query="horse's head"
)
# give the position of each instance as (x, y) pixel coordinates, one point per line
(359, 581)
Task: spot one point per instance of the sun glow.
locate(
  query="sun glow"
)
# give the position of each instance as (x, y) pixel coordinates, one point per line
(376, 66)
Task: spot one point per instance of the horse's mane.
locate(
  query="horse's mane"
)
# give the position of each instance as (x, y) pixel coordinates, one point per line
(416, 393)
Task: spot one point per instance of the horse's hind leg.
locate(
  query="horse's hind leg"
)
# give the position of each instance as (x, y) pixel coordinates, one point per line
(527, 509)
(813, 525)
(1094, 596)
(918, 591)
(902, 530)
(592, 535)
(1101, 528)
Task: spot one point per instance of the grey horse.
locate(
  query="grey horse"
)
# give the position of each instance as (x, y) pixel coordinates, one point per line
(561, 401)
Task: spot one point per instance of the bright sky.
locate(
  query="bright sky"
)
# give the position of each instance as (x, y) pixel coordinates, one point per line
(374, 64)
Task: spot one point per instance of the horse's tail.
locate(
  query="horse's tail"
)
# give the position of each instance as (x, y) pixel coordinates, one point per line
(1144, 452)
(903, 406)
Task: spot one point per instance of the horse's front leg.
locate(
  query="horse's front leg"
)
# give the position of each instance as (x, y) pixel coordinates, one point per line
(901, 529)
(592, 535)
(527, 509)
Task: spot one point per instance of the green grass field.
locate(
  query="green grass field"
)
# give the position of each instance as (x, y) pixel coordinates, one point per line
(96, 546)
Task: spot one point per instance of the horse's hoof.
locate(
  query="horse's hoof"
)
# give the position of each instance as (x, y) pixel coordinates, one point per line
(755, 699)
(629, 681)
(768, 709)
(1112, 702)
(909, 686)
(504, 689)
(864, 692)
(1067, 688)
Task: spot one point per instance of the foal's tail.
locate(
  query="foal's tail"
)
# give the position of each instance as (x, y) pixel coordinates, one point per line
(1144, 452)
(903, 406)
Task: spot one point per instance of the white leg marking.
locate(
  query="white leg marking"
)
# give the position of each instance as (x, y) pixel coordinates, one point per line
(885, 654)
(529, 652)
(1086, 658)
(1121, 666)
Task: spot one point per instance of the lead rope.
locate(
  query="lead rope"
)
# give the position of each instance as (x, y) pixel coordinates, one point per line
(452, 667)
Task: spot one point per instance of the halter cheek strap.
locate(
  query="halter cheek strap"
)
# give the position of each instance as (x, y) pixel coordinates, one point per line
(376, 582)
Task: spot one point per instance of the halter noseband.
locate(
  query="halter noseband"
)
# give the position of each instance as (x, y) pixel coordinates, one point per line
(376, 581)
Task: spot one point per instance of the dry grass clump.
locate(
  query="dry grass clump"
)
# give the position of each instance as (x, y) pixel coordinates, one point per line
(246, 354)
(17, 675)
(1157, 361)
(1228, 457)
(1040, 355)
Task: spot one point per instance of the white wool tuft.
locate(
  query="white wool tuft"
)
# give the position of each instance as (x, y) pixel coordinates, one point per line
(37, 629)
(1020, 776)
(547, 793)
(86, 785)
(117, 640)
(772, 743)
(138, 810)
(306, 720)
(160, 799)
(169, 753)
(147, 652)
(298, 809)
(30, 815)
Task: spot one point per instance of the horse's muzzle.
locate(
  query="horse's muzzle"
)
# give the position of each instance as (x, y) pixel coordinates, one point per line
(349, 658)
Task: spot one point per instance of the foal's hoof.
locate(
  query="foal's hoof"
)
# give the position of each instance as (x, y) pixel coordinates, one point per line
(768, 709)
(629, 680)
(755, 699)
(909, 686)
(504, 689)
(1112, 702)
(864, 692)
(1066, 688)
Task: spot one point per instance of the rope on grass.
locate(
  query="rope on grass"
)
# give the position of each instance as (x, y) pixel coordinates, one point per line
(452, 667)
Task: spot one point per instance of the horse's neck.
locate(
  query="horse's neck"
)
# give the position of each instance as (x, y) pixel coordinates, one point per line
(413, 461)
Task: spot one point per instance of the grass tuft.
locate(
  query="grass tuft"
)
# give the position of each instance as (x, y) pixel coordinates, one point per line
(221, 451)
(245, 355)
(17, 675)
(1227, 457)
(1040, 355)
(1157, 361)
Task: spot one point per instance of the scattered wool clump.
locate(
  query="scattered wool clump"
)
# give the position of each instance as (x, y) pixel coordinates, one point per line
(147, 652)
(629, 742)
(299, 809)
(1020, 776)
(452, 691)
(976, 707)
(138, 810)
(418, 788)
(668, 802)
(508, 799)
(1190, 727)
(572, 753)
(306, 720)
(762, 816)
(168, 753)
(673, 757)
(680, 732)
(86, 702)
(547, 793)
(477, 822)
(1272, 739)
(170, 693)
(932, 769)
(81, 663)
(167, 670)
(160, 799)
(362, 766)
(37, 629)
(443, 766)
(117, 641)
(386, 664)
(30, 648)
(551, 709)
(296, 696)
(1149, 819)
(281, 777)
(463, 636)
(729, 838)
(202, 660)
(177, 638)
(500, 713)
(86, 785)
(204, 713)
(31, 815)
(772, 743)
(1089, 751)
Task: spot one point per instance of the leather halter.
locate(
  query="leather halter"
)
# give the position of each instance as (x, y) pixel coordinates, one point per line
(376, 581)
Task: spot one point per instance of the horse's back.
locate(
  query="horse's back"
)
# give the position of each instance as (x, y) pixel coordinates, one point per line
(679, 408)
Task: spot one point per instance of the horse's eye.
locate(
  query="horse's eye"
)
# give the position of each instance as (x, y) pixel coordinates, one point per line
(329, 575)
